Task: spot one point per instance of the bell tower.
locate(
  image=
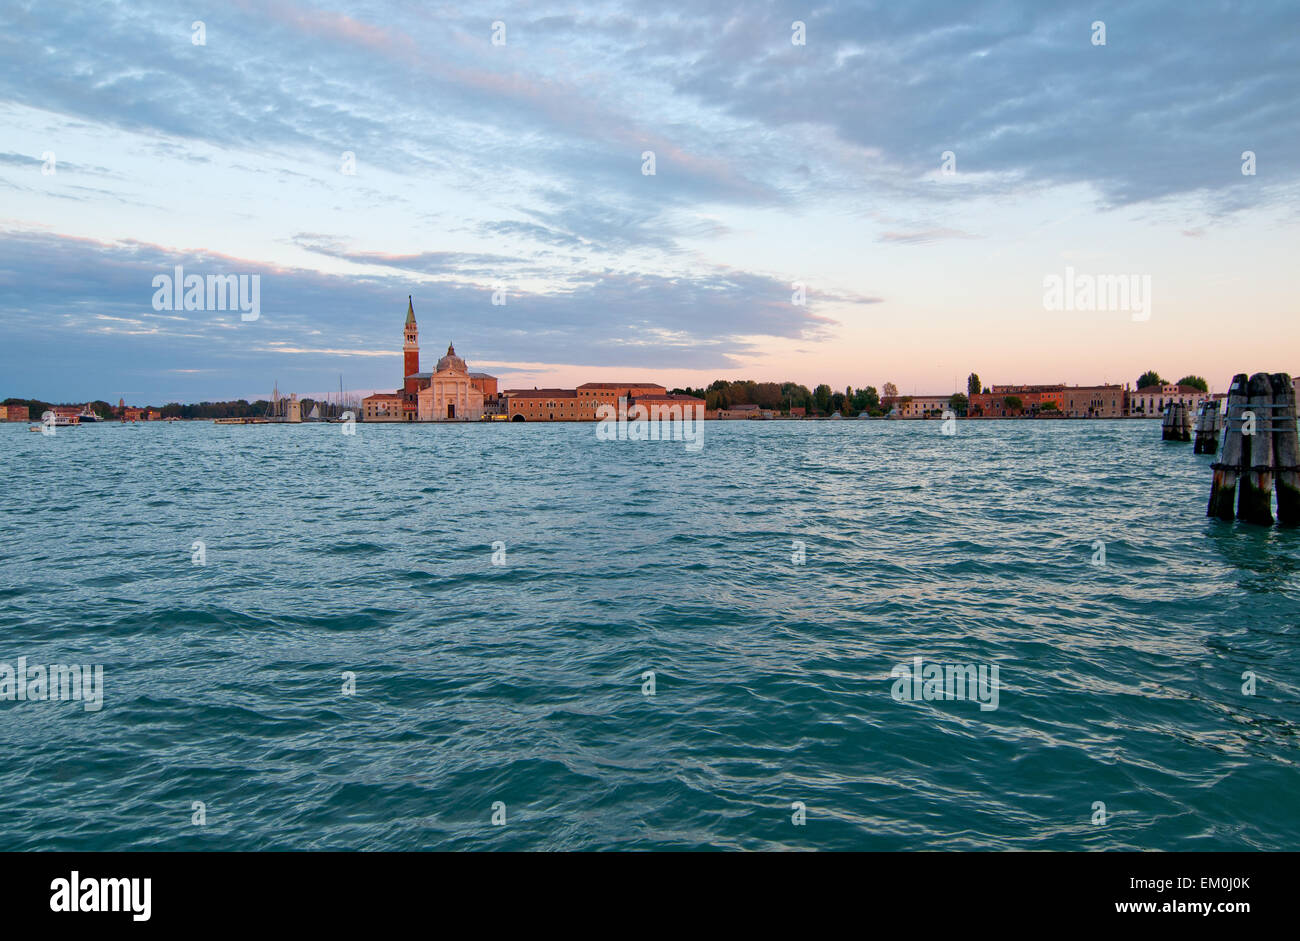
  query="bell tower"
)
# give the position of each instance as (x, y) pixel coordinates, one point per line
(410, 346)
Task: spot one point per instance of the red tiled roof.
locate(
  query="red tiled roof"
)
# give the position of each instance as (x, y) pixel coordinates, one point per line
(620, 385)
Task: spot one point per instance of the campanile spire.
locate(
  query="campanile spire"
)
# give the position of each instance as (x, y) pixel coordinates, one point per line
(410, 343)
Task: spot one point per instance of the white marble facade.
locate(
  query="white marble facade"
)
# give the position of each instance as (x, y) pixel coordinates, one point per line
(450, 395)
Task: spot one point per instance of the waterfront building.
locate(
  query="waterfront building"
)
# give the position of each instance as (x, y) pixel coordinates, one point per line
(672, 407)
(15, 413)
(608, 393)
(1105, 401)
(450, 392)
(584, 402)
(916, 406)
(738, 412)
(1150, 401)
(1101, 401)
(549, 405)
(382, 406)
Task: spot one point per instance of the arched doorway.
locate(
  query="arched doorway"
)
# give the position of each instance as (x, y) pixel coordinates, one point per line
(518, 418)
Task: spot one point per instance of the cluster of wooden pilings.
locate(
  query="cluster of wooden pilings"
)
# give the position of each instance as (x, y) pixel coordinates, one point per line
(1260, 447)
(1209, 424)
(1176, 425)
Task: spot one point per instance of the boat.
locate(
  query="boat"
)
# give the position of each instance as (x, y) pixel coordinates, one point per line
(59, 421)
(86, 416)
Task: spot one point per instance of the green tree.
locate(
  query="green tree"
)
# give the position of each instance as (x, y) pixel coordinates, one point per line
(1195, 381)
(1013, 403)
(889, 389)
(822, 398)
(1048, 406)
(973, 384)
(959, 403)
(1149, 378)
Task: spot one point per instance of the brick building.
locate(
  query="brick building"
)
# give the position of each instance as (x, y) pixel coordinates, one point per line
(549, 405)
(670, 407)
(738, 411)
(1105, 401)
(608, 393)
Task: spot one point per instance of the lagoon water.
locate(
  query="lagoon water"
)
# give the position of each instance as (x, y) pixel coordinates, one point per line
(522, 683)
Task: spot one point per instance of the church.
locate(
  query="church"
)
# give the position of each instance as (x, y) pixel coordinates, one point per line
(449, 393)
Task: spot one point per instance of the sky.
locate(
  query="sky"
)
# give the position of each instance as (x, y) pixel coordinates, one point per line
(883, 201)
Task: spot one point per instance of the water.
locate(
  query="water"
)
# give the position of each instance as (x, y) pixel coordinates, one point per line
(522, 683)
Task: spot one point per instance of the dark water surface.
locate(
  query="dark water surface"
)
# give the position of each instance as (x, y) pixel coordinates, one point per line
(522, 683)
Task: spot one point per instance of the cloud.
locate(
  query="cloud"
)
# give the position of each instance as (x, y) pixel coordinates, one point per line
(96, 297)
(923, 236)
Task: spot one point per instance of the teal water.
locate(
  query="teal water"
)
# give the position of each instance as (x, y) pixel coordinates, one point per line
(522, 683)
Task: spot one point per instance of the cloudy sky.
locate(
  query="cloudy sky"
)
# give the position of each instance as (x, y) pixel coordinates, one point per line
(517, 167)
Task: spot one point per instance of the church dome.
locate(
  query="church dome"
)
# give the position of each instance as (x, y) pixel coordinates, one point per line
(452, 361)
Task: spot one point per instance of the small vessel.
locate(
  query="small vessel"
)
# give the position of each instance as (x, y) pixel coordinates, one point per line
(86, 416)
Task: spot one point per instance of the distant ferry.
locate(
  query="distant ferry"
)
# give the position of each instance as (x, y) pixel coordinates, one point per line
(60, 421)
(86, 416)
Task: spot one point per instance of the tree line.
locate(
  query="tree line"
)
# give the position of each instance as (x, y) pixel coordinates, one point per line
(784, 396)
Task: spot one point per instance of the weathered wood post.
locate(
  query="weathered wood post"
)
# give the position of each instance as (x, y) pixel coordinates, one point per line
(1255, 502)
(1223, 492)
(1286, 450)
(1209, 422)
(1176, 426)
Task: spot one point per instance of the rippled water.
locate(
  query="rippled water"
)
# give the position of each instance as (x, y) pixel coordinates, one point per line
(522, 682)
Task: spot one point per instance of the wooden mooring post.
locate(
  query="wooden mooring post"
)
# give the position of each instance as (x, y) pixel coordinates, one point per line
(1260, 446)
(1255, 502)
(1223, 492)
(1286, 450)
(1209, 423)
(1176, 425)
